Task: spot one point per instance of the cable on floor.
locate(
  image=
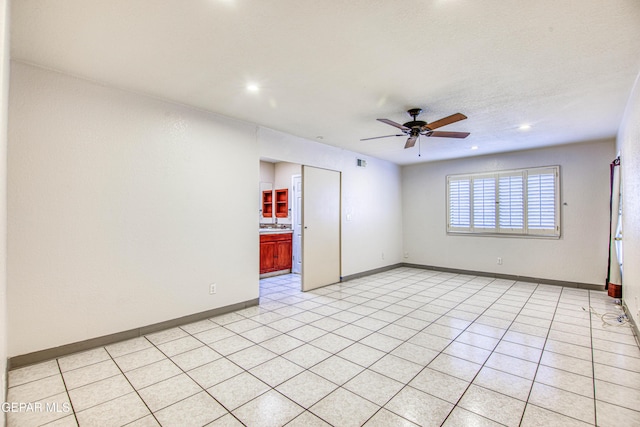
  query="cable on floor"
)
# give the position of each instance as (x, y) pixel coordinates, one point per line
(611, 319)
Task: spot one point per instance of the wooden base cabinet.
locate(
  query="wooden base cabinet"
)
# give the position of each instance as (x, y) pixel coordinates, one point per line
(275, 252)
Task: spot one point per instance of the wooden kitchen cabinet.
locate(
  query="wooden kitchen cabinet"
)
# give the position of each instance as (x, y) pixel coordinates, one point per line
(275, 252)
(267, 204)
(282, 203)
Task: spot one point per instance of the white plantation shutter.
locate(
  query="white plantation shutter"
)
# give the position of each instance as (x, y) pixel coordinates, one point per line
(459, 196)
(542, 202)
(484, 204)
(524, 201)
(511, 202)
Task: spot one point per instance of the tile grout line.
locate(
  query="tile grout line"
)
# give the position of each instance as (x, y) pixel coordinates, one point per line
(66, 389)
(533, 381)
(271, 388)
(225, 357)
(441, 351)
(456, 405)
(401, 317)
(341, 386)
(385, 284)
(405, 384)
(202, 389)
(593, 367)
(304, 369)
(129, 382)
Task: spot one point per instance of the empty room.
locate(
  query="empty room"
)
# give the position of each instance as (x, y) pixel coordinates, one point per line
(227, 213)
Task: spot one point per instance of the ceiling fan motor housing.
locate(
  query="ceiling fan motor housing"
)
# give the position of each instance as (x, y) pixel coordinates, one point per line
(415, 124)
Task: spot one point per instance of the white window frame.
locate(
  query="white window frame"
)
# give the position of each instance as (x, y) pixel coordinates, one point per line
(463, 208)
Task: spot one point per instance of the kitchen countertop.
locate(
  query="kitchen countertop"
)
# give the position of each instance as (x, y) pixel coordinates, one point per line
(275, 230)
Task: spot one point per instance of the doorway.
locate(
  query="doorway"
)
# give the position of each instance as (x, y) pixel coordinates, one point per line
(320, 242)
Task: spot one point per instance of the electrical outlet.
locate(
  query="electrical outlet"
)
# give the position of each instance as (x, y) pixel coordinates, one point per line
(406, 254)
(382, 255)
(212, 289)
(499, 261)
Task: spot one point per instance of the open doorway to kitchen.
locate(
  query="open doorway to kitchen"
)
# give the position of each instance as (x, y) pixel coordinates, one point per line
(277, 217)
(282, 227)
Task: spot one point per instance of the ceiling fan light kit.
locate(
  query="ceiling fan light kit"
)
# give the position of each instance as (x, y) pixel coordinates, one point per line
(415, 128)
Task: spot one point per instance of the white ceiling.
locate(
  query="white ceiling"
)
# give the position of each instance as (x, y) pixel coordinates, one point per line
(327, 69)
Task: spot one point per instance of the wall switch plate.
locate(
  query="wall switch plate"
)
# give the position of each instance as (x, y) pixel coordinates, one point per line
(212, 288)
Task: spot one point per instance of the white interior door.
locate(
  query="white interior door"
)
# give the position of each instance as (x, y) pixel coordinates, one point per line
(297, 224)
(320, 227)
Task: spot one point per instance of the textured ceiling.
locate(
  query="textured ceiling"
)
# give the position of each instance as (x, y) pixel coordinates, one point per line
(327, 69)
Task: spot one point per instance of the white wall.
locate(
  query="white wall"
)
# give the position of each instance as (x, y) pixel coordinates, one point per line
(580, 255)
(4, 96)
(122, 209)
(267, 172)
(629, 147)
(371, 197)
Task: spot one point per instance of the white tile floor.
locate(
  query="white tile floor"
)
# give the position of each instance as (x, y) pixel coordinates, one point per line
(403, 347)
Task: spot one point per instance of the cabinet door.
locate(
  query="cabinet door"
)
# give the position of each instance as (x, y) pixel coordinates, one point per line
(283, 253)
(267, 257)
(282, 203)
(267, 204)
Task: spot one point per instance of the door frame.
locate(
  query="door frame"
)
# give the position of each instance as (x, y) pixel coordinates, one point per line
(296, 213)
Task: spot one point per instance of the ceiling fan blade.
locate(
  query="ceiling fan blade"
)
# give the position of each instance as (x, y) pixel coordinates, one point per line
(442, 134)
(392, 123)
(411, 142)
(378, 137)
(445, 121)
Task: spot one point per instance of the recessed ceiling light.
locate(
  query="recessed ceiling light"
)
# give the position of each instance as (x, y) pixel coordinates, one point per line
(475, 147)
(525, 127)
(252, 87)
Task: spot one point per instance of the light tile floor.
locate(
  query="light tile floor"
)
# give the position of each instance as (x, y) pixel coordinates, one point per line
(403, 347)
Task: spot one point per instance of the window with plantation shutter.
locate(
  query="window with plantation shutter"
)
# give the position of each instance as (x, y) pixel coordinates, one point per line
(541, 202)
(519, 202)
(511, 202)
(459, 202)
(484, 204)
